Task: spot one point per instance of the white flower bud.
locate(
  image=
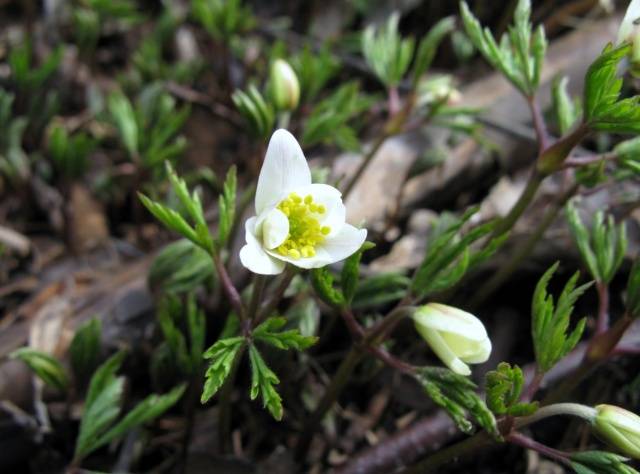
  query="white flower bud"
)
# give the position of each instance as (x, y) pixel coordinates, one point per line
(619, 428)
(458, 338)
(284, 85)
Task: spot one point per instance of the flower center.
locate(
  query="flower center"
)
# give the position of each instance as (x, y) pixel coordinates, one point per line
(305, 231)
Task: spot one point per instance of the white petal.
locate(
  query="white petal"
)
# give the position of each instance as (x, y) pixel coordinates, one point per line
(627, 27)
(442, 350)
(345, 243)
(284, 169)
(330, 198)
(253, 257)
(453, 320)
(275, 229)
(478, 352)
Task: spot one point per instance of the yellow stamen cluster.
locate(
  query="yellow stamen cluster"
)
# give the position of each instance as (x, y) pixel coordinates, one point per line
(305, 231)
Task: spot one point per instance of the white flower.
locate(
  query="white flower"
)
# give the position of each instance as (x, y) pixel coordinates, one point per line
(629, 25)
(454, 335)
(620, 428)
(296, 221)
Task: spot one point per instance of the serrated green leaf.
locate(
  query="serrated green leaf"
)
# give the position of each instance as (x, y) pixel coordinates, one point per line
(603, 248)
(386, 52)
(603, 109)
(503, 387)
(550, 321)
(262, 383)
(291, 339)
(49, 369)
(456, 394)
(102, 405)
(223, 354)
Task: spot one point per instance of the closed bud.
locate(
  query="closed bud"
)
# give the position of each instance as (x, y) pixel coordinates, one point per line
(458, 338)
(619, 428)
(285, 87)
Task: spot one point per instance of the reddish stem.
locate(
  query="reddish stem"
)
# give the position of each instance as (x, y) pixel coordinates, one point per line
(521, 440)
(603, 307)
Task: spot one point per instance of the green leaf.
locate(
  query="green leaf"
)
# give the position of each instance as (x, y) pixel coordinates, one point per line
(291, 339)
(262, 383)
(147, 410)
(602, 249)
(223, 354)
(550, 321)
(45, 366)
(258, 114)
(102, 405)
(227, 207)
(180, 267)
(429, 45)
(351, 272)
(322, 282)
(335, 119)
(85, 348)
(566, 111)
(520, 54)
(600, 462)
(449, 254)
(386, 53)
(380, 289)
(456, 394)
(124, 117)
(603, 108)
(504, 386)
(198, 233)
(223, 19)
(314, 70)
(628, 154)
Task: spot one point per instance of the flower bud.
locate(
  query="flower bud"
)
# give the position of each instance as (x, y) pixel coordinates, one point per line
(457, 337)
(285, 87)
(619, 428)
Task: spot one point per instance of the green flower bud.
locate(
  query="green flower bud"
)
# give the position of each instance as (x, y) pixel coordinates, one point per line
(619, 428)
(285, 87)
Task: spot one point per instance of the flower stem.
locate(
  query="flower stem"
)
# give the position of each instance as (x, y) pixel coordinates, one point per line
(538, 123)
(524, 441)
(570, 409)
(603, 307)
(229, 288)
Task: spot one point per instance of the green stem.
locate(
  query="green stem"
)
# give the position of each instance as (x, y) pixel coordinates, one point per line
(482, 440)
